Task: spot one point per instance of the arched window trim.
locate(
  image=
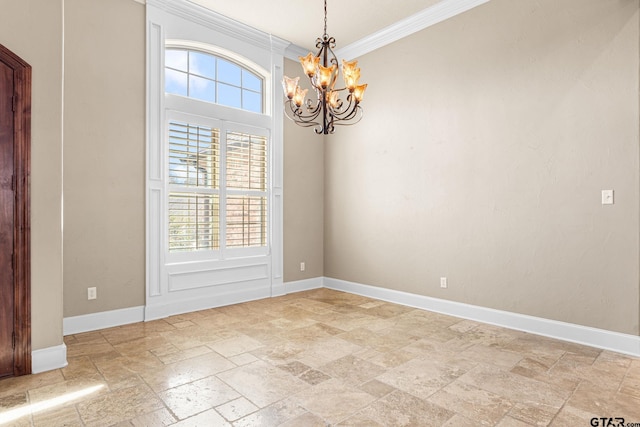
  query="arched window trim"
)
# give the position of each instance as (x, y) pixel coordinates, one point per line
(178, 287)
(237, 59)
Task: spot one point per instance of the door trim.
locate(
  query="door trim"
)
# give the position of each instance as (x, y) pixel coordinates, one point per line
(22, 215)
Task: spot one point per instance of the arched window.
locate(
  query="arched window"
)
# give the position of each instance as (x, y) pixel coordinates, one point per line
(211, 78)
(217, 157)
(214, 166)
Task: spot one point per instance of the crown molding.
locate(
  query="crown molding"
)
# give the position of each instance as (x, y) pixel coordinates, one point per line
(439, 12)
(215, 21)
(418, 21)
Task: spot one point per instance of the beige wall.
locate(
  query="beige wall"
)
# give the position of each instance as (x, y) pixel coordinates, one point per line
(485, 144)
(104, 134)
(513, 118)
(32, 29)
(104, 164)
(303, 196)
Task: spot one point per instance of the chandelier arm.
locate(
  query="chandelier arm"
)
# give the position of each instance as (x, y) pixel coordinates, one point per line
(357, 116)
(299, 111)
(350, 114)
(297, 116)
(349, 110)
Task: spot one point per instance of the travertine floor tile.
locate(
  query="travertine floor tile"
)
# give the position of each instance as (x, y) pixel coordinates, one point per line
(79, 367)
(236, 409)
(184, 354)
(484, 407)
(117, 406)
(322, 358)
(305, 420)
(570, 416)
(360, 420)
(515, 387)
(160, 417)
(310, 333)
(390, 359)
(198, 396)
(94, 387)
(294, 368)
(60, 417)
(273, 415)
(10, 402)
(377, 389)
(314, 377)
(403, 409)
(422, 378)
(95, 350)
(325, 350)
(460, 421)
(333, 400)
(464, 326)
(493, 355)
(262, 383)
(208, 418)
(512, 422)
(235, 346)
(242, 359)
(591, 397)
(630, 386)
(352, 370)
(533, 413)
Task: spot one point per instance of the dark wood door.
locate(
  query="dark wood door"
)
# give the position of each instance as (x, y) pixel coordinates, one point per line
(7, 212)
(15, 216)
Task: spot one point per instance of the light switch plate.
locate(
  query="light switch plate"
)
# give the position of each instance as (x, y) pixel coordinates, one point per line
(607, 197)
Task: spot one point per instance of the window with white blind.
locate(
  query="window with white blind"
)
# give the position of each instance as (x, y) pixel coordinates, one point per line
(194, 192)
(218, 173)
(215, 204)
(246, 190)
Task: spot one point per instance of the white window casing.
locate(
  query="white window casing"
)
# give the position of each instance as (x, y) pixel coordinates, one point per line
(225, 244)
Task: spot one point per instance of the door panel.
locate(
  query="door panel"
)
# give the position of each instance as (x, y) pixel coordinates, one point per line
(7, 211)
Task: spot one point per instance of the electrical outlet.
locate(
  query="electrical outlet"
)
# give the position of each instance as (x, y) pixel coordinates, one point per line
(607, 197)
(302, 266)
(92, 293)
(443, 282)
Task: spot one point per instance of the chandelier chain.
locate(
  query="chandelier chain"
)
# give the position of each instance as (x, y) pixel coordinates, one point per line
(325, 17)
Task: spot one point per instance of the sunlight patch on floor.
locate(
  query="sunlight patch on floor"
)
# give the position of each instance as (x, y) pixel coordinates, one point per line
(33, 408)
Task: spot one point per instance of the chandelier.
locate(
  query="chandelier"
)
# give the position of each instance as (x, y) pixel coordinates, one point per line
(328, 109)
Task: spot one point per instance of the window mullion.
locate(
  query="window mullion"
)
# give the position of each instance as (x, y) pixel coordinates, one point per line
(223, 188)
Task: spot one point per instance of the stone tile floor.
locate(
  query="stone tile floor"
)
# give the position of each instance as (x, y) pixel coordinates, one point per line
(321, 358)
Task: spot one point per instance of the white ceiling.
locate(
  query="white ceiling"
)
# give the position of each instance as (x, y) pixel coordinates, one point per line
(301, 22)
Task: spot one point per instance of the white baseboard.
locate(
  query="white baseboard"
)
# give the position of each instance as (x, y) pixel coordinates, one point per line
(48, 359)
(102, 320)
(278, 289)
(600, 338)
(204, 302)
(303, 285)
(110, 319)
